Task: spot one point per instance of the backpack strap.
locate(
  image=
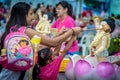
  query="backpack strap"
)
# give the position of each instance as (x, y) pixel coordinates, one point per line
(22, 29)
(13, 28)
(22, 74)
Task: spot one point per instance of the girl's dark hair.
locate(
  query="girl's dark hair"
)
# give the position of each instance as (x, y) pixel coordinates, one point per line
(65, 4)
(17, 17)
(43, 56)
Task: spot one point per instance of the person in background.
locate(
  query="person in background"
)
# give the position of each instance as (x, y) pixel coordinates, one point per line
(90, 25)
(38, 12)
(2, 10)
(50, 13)
(64, 13)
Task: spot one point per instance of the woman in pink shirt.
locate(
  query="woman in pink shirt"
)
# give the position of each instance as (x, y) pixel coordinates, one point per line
(64, 13)
(47, 67)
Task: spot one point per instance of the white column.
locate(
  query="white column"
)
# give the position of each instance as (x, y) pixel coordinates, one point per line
(79, 7)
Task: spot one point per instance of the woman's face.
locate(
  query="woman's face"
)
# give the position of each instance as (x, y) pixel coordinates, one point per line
(30, 16)
(60, 10)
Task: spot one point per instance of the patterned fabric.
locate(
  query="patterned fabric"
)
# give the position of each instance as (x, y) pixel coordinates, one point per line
(50, 71)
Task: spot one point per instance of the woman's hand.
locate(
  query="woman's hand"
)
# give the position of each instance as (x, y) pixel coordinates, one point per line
(62, 31)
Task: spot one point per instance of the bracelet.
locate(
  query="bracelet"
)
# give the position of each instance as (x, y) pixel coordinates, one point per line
(73, 31)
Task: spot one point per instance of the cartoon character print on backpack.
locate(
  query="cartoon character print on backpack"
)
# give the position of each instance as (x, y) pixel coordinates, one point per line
(19, 51)
(21, 48)
(18, 48)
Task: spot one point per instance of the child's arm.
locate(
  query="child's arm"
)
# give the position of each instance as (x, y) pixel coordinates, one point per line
(57, 49)
(68, 46)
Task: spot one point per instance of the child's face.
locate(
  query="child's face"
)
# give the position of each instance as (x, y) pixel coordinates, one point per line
(52, 57)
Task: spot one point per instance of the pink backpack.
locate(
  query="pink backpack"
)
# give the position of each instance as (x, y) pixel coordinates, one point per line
(19, 51)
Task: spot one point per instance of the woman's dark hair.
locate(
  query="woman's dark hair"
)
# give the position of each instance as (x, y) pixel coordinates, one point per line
(43, 56)
(17, 17)
(65, 4)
